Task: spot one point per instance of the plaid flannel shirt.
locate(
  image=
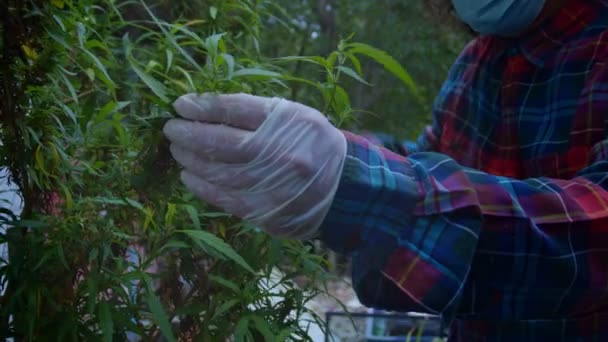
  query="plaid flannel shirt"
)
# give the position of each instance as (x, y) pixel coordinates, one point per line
(497, 217)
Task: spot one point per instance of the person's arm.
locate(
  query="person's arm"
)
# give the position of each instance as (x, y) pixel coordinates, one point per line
(415, 226)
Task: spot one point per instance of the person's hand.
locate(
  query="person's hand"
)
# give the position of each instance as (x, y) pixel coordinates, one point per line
(272, 162)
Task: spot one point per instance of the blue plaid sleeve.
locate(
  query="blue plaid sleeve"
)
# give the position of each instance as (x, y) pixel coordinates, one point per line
(374, 220)
(413, 226)
(425, 142)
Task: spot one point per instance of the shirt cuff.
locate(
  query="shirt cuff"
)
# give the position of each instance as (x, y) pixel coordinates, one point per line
(376, 186)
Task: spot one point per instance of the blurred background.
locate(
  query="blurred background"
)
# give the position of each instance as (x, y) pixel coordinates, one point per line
(422, 41)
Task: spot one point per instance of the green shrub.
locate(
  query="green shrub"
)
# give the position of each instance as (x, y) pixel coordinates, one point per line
(109, 243)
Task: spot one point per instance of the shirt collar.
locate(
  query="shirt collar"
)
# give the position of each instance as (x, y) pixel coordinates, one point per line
(569, 22)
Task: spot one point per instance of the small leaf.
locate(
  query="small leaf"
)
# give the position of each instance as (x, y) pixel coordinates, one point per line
(193, 216)
(111, 107)
(91, 74)
(170, 37)
(157, 88)
(309, 59)
(213, 12)
(176, 244)
(29, 52)
(170, 214)
(230, 63)
(106, 200)
(59, 21)
(353, 59)
(159, 315)
(135, 204)
(70, 87)
(241, 330)
(331, 60)
(219, 245)
(212, 43)
(40, 164)
(352, 73)
(222, 229)
(389, 63)
(105, 77)
(255, 72)
(191, 86)
(151, 65)
(67, 196)
(169, 55)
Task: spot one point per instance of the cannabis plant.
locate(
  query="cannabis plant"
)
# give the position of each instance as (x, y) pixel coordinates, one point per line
(108, 244)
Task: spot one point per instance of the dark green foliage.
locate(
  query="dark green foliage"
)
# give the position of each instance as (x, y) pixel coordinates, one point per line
(86, 87)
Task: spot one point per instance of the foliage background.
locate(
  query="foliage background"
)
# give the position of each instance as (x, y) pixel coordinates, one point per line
(109, 245)
(425, 44)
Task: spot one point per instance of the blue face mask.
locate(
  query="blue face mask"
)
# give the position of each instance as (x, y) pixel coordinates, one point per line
(498, 17)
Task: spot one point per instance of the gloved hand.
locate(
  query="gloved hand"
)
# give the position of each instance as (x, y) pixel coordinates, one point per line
(272, 162)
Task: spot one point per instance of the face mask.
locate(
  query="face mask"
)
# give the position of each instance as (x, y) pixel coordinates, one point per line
(498, 17)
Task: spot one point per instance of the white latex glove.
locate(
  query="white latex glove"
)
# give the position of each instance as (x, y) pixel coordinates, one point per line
(272, 162)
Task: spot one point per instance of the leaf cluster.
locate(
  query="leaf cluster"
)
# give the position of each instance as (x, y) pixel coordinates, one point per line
(109, 245)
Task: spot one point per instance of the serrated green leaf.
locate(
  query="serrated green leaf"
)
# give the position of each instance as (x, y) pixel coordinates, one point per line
(169, 57)
(176, 244)
(159, 315)
(67, 196)
(151, 65)
(170, 214)
(308, 59)
(219, 245)
(106, 200)
(242, 327)
(229, 60)
(389, 63)
(170, 37)
(111, 107)
(193, 213)
(355, 61)
(156, 86)
(331, 59)
(191, 87)
(249, 72)
(135, 204)
(212, 43)
(352, 73)
(105, 77)
(70, 87)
